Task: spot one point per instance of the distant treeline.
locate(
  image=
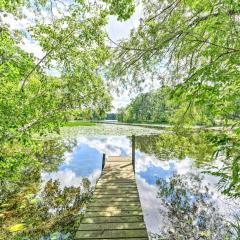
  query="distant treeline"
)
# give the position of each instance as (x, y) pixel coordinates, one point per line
(163, 106)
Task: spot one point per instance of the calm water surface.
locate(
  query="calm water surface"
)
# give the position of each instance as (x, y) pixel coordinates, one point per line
(177, 198)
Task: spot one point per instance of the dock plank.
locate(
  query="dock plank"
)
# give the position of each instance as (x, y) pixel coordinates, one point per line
(122, 233)
(113, 219)
(114, 213)
(110, 226)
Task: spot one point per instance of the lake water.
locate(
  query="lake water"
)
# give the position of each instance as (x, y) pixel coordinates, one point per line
(153, 168)
(180, 200)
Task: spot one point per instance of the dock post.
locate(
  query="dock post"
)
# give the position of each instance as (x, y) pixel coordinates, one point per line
(103, 160)
(133, 152)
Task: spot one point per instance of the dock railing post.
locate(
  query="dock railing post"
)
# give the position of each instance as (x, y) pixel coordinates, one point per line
(133, 152)
(103, 160)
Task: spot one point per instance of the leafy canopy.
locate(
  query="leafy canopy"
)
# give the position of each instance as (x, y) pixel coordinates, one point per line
(192, 46)
(73, 41)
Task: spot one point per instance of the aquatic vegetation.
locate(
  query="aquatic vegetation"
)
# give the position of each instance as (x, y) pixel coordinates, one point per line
(107, 129)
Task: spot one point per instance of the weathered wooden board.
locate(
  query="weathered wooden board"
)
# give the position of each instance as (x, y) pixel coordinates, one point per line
(118, 208)
(114, 219)
(110, 203)
(100, 226)
(115, 211)
(119, 233)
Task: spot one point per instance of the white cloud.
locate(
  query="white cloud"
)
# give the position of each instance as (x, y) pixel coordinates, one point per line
(153, 210)
(111, 145)
(19, 23)
(144, 161)
(122, 99)
(184, 166)
(69, 178)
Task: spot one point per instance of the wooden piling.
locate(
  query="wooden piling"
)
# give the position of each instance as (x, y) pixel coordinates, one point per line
(103, 160)
(133, 152)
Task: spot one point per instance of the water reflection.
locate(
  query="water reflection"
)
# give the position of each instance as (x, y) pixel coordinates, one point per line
(157, 165)
(191, 210)
(178, 200)
(166, 177)
(30, 209)
(85, 159)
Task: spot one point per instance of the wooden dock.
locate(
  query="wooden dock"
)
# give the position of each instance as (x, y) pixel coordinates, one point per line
(115, 211)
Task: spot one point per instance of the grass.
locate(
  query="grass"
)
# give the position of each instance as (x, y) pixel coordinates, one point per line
(77, 124)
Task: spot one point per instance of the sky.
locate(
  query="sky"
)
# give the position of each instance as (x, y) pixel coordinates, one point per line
(120, 30)
(117, 30)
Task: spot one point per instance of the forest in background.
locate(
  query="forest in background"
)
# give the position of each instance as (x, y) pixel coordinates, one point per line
(162, 107)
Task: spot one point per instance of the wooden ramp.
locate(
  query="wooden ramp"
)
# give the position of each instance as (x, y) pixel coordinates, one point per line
(115, 211)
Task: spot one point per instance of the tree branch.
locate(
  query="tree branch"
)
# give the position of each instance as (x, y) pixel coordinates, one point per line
(43, 58)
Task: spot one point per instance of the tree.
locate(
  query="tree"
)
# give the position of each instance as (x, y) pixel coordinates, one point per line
(73, 41)
(159, 106)
(149, 107)
(192, 45)
(32, 103)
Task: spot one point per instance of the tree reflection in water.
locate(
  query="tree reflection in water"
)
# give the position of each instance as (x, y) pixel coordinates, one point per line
(29, 210)
(191, 211)
(206, 149)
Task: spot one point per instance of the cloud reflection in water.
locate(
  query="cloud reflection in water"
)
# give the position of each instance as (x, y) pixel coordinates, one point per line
(86, 158)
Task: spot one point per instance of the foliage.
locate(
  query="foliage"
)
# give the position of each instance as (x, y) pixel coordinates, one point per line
(193, 47)
(27, 213)
(73, 42)
(148, 107)
(196, 42)
(122, 8)
(159, 106)
(32, 102)
(111, 116)
(19, 159)
(31, 209)
(36, 102)
(190, 45)
(228, 146)
(167, 146)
